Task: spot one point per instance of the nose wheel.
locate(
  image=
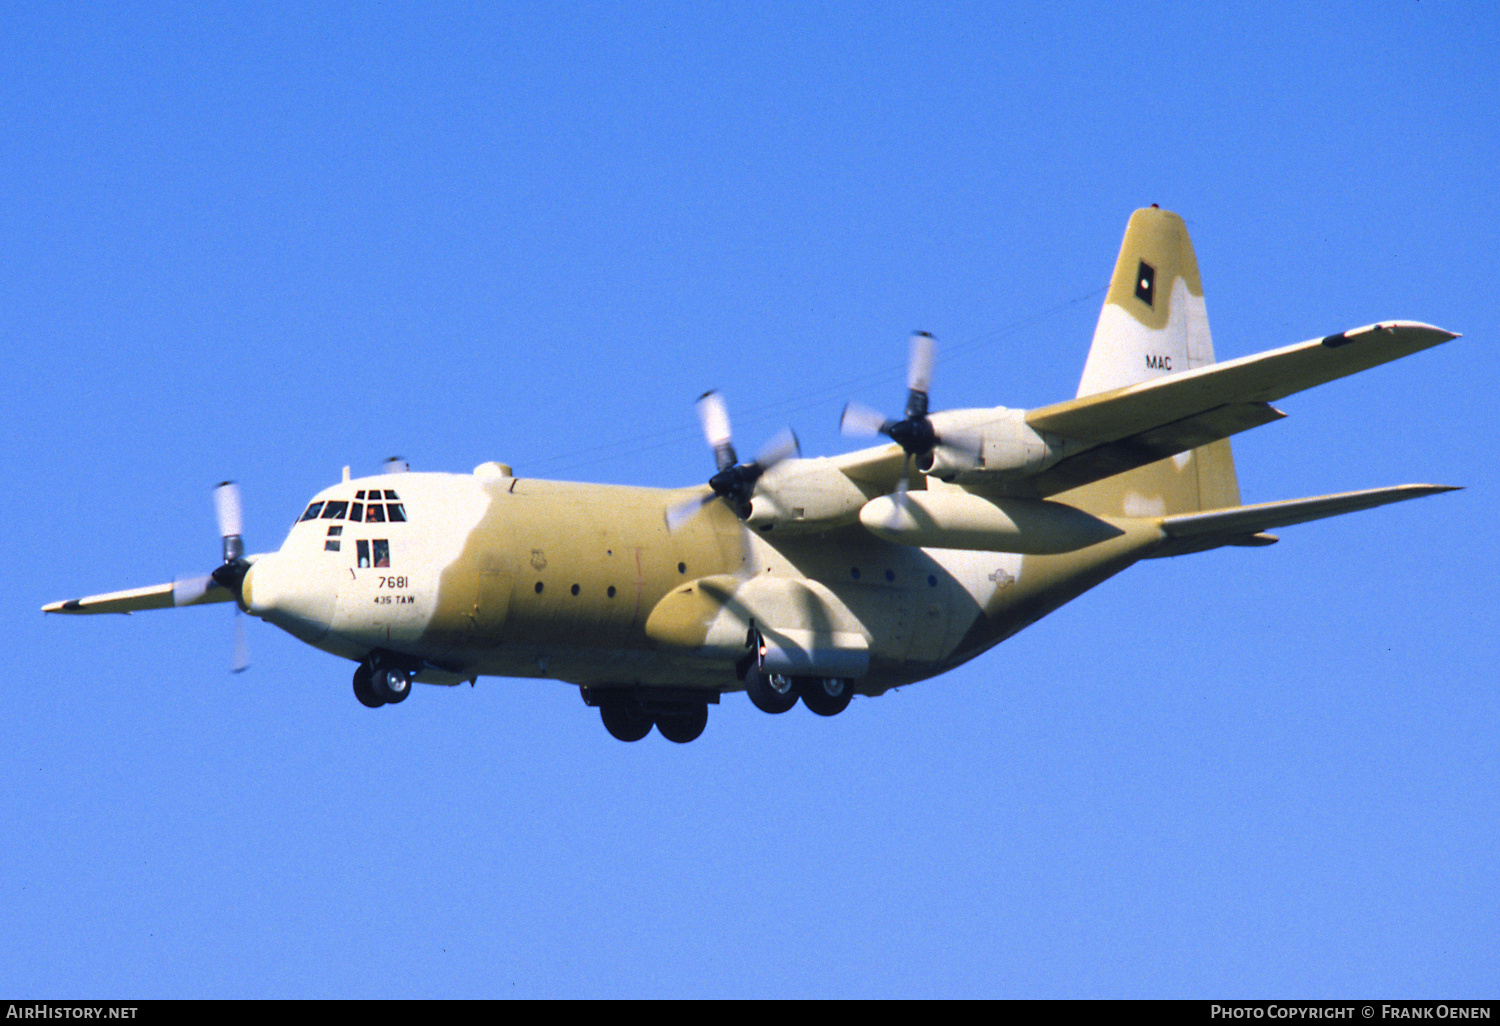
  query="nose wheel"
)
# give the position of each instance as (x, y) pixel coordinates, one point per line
(363, 689)
(391, 684)
(388, 685)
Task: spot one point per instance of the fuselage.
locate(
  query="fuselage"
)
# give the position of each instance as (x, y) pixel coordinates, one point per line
(488, 574)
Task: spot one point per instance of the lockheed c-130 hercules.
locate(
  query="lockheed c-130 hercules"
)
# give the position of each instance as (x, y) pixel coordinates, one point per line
(791, 578)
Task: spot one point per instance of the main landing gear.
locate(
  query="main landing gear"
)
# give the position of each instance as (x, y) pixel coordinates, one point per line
(380, 683)
(776, 693)
(678, 714)
(826, 696)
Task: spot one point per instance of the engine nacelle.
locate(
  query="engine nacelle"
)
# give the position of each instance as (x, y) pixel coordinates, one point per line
(989, 444)
(804, 495)
(951, 518)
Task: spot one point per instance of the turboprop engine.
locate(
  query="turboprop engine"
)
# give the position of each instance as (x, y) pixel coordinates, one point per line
(799, 495)
(997, 444)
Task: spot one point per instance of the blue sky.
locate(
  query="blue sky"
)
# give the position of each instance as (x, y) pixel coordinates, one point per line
(262, 243)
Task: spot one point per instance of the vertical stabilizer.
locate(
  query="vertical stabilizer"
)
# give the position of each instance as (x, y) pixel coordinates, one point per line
(1154, 323)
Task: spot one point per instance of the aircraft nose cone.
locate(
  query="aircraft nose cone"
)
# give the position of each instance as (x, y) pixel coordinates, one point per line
(278, 591)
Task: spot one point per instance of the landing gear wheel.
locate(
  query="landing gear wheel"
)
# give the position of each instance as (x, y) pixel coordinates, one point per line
(391, 684)
(826, 696)
(684, 726)
(625, 719)
(771, 692)
(364, 690)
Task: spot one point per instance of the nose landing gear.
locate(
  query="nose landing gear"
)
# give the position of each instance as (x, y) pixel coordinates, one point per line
(392, 684)
(378, 682)
(363, 689)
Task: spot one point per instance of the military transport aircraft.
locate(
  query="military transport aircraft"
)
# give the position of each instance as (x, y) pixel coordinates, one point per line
(791, 578)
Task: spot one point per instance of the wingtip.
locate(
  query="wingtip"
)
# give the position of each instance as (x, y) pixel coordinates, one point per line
(1421, 491)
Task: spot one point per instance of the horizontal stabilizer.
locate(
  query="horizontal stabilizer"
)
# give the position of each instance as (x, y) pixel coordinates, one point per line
(1243, 525)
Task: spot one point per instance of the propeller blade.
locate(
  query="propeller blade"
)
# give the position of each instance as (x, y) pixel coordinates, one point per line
(682, 512)
(860, 421)
(714, 415)
(899, 496)
(228, 509)
(783, 446)
(187, 590)
(734, 482)
(905, 483)
(241, 659)
(919, 366)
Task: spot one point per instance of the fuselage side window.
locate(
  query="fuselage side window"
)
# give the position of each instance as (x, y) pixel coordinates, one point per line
(312, 512)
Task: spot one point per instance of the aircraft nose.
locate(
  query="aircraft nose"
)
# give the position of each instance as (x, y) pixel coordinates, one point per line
(279, 591)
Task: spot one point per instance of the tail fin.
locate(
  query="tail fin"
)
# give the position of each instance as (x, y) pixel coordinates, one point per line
(1154, 323)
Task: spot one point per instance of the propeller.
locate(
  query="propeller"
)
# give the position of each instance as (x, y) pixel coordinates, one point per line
(231, 574)
(914, 433)
(734, 482)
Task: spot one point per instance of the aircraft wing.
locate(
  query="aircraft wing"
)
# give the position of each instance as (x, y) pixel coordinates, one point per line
(185, 591)
(1132, 426)
(1244, 525)
(1124, 428)
(875, 470)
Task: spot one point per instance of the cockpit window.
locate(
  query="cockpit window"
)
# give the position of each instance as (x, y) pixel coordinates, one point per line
(371, 512)
(380, 557)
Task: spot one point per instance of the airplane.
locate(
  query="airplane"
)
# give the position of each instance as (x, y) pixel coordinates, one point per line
(800, 579)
